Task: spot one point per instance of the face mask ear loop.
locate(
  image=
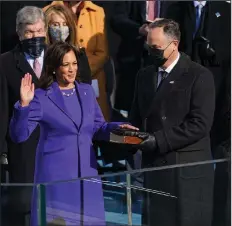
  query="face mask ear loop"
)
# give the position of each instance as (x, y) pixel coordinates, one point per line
(171, 52)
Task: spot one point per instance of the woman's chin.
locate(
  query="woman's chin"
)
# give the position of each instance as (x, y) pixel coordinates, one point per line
(70, 80)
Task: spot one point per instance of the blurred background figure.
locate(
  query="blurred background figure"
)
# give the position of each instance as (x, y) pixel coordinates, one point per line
(26, 57)
(91, 34)
(62, 27)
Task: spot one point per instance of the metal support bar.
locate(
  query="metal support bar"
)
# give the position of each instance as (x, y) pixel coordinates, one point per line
(128, 196)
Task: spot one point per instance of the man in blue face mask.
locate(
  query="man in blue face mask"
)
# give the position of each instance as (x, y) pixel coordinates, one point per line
(26, 57)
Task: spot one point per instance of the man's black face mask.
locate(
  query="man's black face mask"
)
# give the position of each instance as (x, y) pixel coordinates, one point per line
(33, 46)
(157, 55)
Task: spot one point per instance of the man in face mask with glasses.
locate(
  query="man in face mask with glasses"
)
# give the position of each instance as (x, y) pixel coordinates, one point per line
(26, 57)
(173, 107)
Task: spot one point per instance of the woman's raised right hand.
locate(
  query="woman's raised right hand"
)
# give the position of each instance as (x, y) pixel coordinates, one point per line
(27, 90)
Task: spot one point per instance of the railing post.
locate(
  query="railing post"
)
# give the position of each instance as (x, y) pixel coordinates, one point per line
(41, 216)
(128, 195)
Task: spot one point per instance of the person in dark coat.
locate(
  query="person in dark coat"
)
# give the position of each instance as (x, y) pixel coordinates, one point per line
(206, 38)
(174, 103)
(130, 22)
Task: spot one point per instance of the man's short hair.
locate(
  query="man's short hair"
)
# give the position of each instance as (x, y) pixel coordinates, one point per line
(28, 15)
(170, 27)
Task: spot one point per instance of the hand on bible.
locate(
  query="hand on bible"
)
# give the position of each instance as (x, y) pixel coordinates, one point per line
(148, 141)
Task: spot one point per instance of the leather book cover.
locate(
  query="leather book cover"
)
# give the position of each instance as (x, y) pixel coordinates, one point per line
(124, 139)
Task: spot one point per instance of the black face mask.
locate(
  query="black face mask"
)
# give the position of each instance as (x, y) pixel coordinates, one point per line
(33, 46)
(157, 55)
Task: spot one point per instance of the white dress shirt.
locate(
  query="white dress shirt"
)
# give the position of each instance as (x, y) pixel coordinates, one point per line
(197, 3)
(168, 69)
(30, 60)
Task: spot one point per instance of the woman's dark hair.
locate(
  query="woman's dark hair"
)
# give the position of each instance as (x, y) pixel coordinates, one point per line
(53, 59)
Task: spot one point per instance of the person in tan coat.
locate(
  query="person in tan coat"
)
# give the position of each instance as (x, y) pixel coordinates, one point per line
(91, 34)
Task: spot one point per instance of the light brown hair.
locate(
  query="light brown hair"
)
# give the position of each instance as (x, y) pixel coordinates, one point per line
(70, 20)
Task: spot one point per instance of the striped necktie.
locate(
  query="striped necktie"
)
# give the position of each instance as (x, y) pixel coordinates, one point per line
(198, 17)
(152, 10)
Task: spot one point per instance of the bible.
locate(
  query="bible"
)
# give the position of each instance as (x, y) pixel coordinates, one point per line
(120, 136)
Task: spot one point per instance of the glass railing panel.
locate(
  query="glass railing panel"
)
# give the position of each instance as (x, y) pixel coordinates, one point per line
(170, 195)
(186, 194)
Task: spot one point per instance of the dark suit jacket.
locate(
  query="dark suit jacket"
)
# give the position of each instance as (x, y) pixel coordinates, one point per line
(215, 28)
(21, 156)
(180, 115)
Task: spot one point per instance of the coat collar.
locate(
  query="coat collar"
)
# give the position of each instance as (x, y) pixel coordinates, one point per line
(55, 95)
(87, 5)
(90, 5)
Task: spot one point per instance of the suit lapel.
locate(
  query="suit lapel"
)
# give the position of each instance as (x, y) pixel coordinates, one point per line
(23, 65)
(55, 95)
(210, 23)
(167, 84)
(148, 82)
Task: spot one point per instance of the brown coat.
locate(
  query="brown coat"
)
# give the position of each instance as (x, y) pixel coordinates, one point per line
(91, 35)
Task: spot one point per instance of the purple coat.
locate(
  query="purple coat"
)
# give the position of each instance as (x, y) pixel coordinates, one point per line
(65, 152)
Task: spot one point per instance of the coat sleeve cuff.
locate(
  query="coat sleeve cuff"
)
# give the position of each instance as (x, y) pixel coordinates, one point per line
(19, 111)
(162, 142)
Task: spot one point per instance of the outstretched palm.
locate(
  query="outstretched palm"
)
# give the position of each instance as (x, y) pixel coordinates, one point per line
(27, 89)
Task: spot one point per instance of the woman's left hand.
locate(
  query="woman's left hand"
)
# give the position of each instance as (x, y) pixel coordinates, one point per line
(127, 126)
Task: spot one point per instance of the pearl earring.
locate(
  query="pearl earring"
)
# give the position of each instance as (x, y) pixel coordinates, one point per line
(54, 72)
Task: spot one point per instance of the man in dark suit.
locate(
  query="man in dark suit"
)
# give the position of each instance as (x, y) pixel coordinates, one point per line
(206, 38)
(26, 57)
(130, 22)
(174, 103)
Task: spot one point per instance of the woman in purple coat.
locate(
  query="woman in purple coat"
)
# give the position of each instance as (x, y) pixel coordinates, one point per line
(69, 118)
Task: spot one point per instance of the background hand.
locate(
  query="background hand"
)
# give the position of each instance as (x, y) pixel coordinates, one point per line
(143, 30)
(27, 90)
